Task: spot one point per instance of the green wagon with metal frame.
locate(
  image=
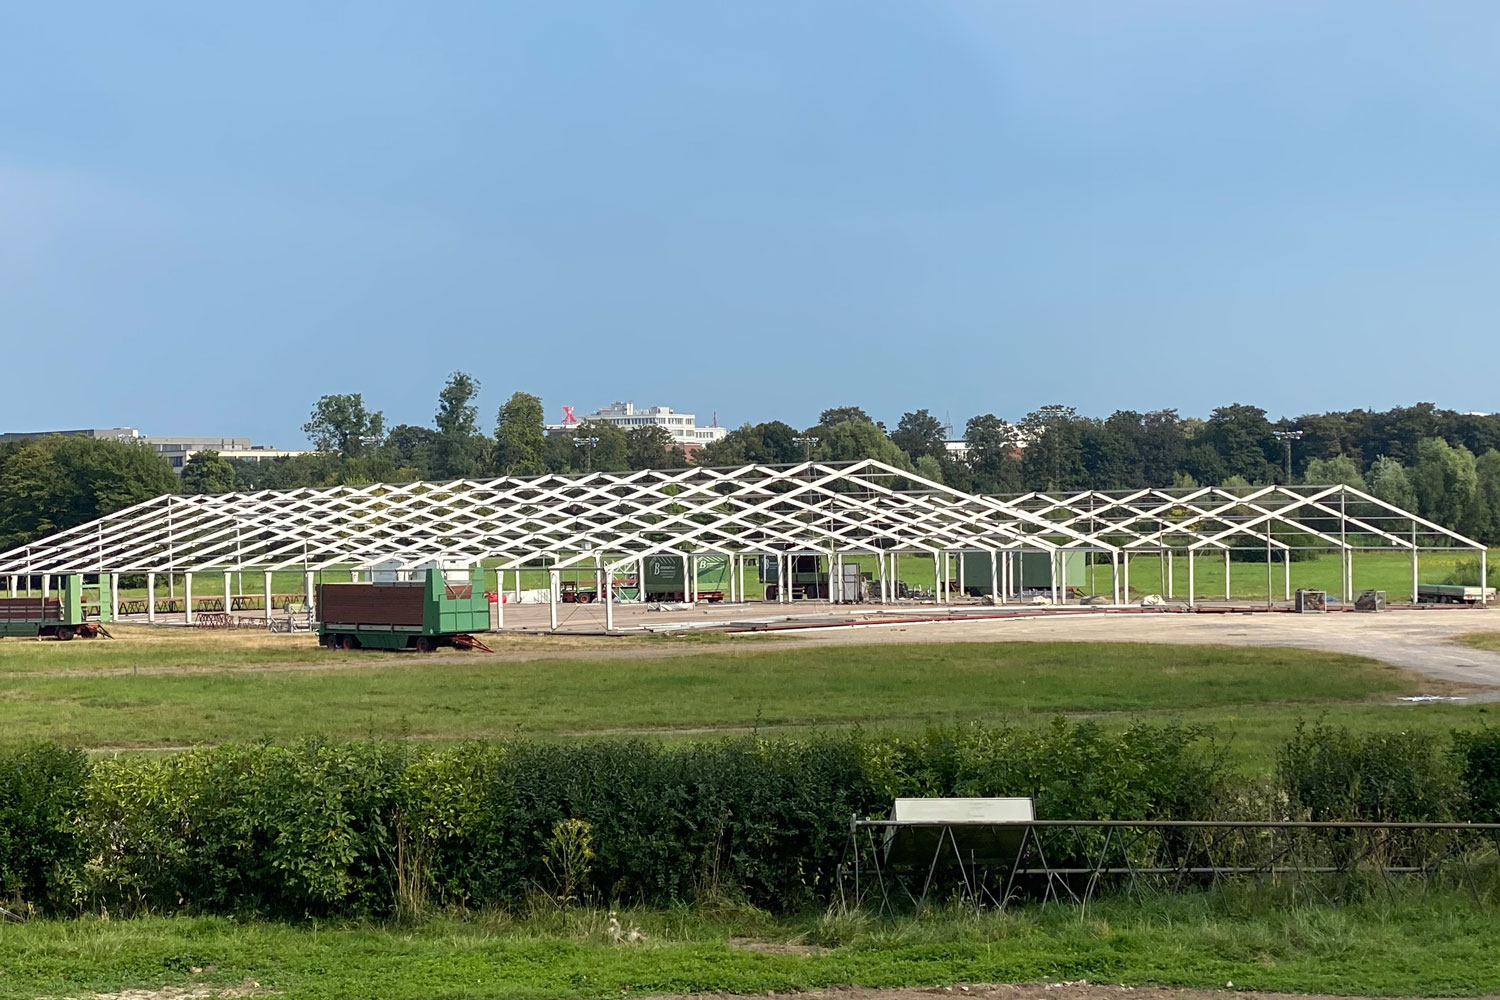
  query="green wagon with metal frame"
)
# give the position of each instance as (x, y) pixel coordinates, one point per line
(67, 616)
(418, 614)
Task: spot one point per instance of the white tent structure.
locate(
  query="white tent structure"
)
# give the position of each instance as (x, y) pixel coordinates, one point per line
(1213, 521)
(606, 523)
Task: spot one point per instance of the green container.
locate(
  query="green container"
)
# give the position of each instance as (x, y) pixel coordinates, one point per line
(1036, 571)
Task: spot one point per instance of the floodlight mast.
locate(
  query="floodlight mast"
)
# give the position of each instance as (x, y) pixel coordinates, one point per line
(1287, 437)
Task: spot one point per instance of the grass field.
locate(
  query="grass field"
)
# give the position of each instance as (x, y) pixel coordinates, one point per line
(1481, 640)
(1253, 696)
(1440, 947)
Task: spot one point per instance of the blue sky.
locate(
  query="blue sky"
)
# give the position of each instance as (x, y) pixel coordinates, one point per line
(211, 214)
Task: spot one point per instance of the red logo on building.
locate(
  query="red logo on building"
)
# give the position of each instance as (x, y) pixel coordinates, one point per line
(568, 417)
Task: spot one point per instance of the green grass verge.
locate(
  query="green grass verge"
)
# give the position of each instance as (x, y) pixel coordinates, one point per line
(1256, 693)
(1421, 948)
(1489, 641)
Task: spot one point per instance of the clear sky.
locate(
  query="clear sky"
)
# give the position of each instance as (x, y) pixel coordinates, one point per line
(211, 214)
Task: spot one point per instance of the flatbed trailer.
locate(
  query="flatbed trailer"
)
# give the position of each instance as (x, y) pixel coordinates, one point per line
(1453, 593)
(64, 617)
(420, 615)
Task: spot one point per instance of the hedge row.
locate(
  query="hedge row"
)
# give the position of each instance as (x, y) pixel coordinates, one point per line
(358, 828)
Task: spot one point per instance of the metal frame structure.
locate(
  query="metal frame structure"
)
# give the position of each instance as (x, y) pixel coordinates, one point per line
(601, 524)
(1078, 861)
(1215, 519)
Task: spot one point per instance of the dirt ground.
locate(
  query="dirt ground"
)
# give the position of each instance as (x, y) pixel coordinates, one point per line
(1028, 991)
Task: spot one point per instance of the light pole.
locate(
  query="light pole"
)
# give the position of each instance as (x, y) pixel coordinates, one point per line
(1287, 437)
(808, 443)
(587, 444)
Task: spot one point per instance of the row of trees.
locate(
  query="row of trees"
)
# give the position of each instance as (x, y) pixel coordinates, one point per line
(1441, 463)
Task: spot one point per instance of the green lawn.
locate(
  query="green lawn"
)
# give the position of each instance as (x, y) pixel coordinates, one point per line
(1253, 695)
(1481, 640)
(1440, 947)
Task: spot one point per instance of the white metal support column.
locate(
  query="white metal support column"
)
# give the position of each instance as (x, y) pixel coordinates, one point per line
(46, 585)
(114, 596)
(1171, 588)
(307, 597)
(151, 598)
(553, 583)
(962, 580)
(1484, 577)
(1415, 587)
(13, 585)
(1286, 569)
(187, 597)
(687, 590)
(1190, 578)
(1226, 575)
(1125, 571)
(1349, 574)
(609, 599)
(269, 610)
(995, 577)
(937, 580)
(228, 597)
(499, 600)
(1114, 575)
(1270, 587)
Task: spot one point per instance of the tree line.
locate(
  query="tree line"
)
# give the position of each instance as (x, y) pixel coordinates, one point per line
(1443, 464)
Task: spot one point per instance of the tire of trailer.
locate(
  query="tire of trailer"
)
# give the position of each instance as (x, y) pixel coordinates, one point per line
(64, 633)
(348, 642)
(423, 644)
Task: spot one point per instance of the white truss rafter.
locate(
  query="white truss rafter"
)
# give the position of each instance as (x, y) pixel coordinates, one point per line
(557, 521)
(603, 522)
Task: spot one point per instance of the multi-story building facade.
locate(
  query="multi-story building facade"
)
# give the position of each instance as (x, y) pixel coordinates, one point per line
(682, 426)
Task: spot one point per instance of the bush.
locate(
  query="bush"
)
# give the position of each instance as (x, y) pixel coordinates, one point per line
(1465, 573)
(374, 828)
(288, 831)
(1329, 773)
(1072, 771)
(1477, 757)
(41, 794)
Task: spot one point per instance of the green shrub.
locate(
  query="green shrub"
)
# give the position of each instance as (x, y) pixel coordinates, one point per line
(41, 794)
(1329, 773)
(1477, 757)
(1070, 770)
(291, 831)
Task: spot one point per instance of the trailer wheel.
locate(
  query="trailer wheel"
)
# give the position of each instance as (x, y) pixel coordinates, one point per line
(348, 642)
(64, 633)
(424, 644)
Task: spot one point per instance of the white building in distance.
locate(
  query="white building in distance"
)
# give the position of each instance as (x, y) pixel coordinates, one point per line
(682, 426)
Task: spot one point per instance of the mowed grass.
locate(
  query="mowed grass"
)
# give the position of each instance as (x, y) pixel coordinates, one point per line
(1436, 947)
(1489, 641)
(1255, 693)
(145, 648)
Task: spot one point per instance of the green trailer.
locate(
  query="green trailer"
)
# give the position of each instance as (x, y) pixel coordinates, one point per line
(417, 614)
(69, 615)
(663, 580)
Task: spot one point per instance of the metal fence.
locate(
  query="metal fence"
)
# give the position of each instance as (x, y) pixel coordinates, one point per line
(892, 865)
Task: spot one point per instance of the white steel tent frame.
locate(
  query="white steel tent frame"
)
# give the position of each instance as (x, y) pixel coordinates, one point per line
(603, 523)
(1199, 520)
